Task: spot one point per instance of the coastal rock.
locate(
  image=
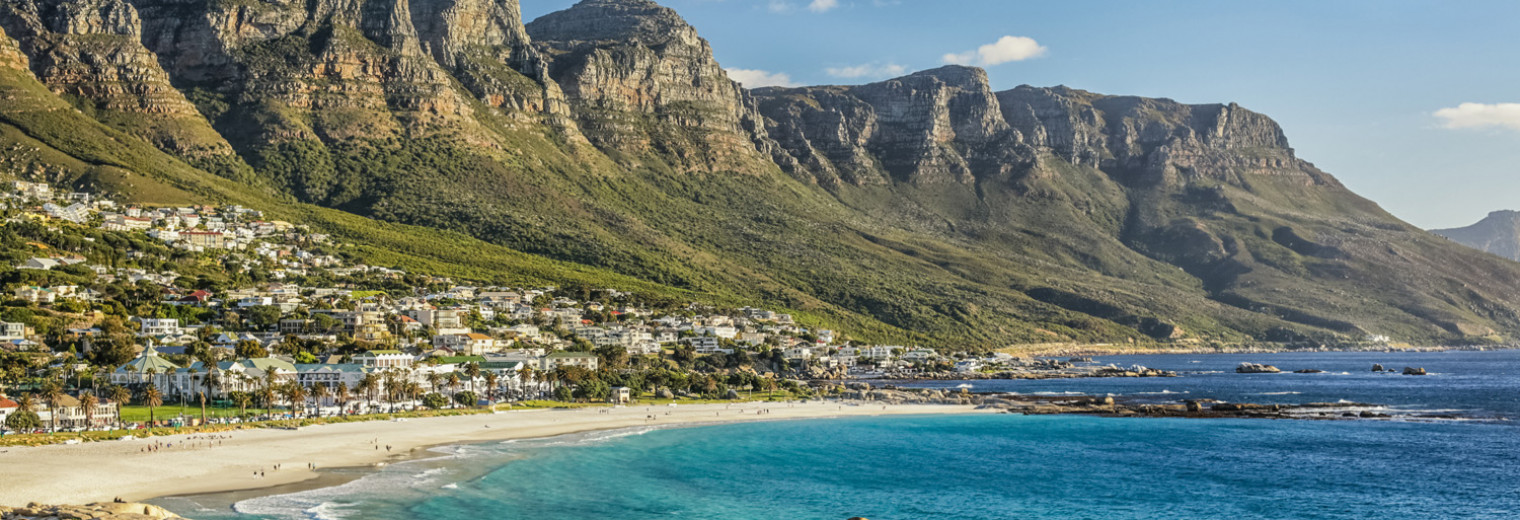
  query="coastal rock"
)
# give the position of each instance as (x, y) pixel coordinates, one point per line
(99, 511)
(1412, 371)
(664, 393)
(1308, 371)
(1377, 367)
(1253, 368)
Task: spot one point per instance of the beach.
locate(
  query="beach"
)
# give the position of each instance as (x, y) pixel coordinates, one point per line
(247, 459)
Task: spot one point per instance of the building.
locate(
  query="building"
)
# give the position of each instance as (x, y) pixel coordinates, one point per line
(10, 331)
(203, 239)
(159, 327)
(385, 359)
(621, 395)
(148, 367)
(72, 415)
(580, 359)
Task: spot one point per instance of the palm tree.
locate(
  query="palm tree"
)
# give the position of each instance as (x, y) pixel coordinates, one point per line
(296, 394)
(154, 399)
(453, 381)
(208, 385)
(342, 396)
(88, 402)
(368, 384)
(524, 376)
(269, 390)
(491, 379)
(53, 393)
(433, 379)
(118, 395)
(242, 399)
(320, 392)
(473, 371)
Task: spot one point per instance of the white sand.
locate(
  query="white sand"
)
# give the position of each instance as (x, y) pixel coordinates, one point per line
(101, 471)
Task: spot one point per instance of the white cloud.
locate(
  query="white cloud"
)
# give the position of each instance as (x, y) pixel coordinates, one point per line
(780, 7)
(1004, 50)
(869, 70)
(752, 78)
(1481, 115)
(819, 6)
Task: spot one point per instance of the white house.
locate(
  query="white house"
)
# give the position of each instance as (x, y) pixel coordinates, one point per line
(159, 327)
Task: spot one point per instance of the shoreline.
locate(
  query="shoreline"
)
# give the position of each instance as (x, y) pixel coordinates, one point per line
(200, 464)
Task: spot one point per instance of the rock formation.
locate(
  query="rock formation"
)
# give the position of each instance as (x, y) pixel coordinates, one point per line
(1498, 233)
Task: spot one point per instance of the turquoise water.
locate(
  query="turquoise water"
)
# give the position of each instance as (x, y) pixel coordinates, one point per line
(982, 467)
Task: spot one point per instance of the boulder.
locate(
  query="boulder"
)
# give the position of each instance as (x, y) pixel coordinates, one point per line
(732, 394)
(1412, 371)
(1253, 368)
(1309, 371)
(664, 393)
(1377, 368)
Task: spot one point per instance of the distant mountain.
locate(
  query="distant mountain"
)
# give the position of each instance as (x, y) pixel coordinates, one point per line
(604, 143)
(1498, 233)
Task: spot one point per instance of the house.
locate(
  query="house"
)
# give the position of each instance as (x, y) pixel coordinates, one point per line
(203, 239)
(71, 414)
(472, 344)
(159, 327)
(147, 367)
(10, 331)
(524, 331)
(7, 407)
(385, 359)
(620, 395)
(331, 375)
(561, 358)
(706, 345)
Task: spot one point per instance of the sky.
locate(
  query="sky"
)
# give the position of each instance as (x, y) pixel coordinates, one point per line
(1413, 104)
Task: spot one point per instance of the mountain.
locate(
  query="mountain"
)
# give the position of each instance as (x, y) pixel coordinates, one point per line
(1498, 233)
(605, 144)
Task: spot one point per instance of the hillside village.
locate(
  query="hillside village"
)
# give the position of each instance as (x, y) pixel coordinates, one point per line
(217, 304)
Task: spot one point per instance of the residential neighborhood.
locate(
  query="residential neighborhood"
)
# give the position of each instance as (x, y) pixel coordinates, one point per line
(217, 306)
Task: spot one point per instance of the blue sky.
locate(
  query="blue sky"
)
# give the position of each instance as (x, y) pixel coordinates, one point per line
(1359, 86)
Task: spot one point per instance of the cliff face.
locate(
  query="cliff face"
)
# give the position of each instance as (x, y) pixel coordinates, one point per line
(640, 80)
(920, 208)
(937, 126)
(1498, 233)
(91, 51)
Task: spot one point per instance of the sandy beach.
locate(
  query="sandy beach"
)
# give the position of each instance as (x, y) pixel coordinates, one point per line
(233, 461)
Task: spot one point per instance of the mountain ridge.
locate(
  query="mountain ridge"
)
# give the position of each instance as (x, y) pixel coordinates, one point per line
(927, 208)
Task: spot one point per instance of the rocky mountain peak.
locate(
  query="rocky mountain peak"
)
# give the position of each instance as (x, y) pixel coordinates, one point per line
(1497, 233)
(635, 73)
(620, 20)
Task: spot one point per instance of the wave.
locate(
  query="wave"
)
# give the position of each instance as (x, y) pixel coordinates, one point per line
(1163, 392)
(1280, 393)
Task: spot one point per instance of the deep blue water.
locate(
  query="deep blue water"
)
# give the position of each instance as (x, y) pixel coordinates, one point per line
(1001, 466)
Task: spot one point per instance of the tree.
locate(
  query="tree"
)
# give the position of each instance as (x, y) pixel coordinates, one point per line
(613, 356)
(250, 349)
(320, 392)
(435, 401)
(53, 393)
(88, 402)
(491, 379)
(524, 377)
(242, 399)
(118, 395)
(473, 371)
(296, 394)
(208, 385)
(23, 421)
(342, 394)
(153, 399)
(466, 398)
(368, 384)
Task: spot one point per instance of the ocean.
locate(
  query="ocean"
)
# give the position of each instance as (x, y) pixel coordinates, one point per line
(1000, 466)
